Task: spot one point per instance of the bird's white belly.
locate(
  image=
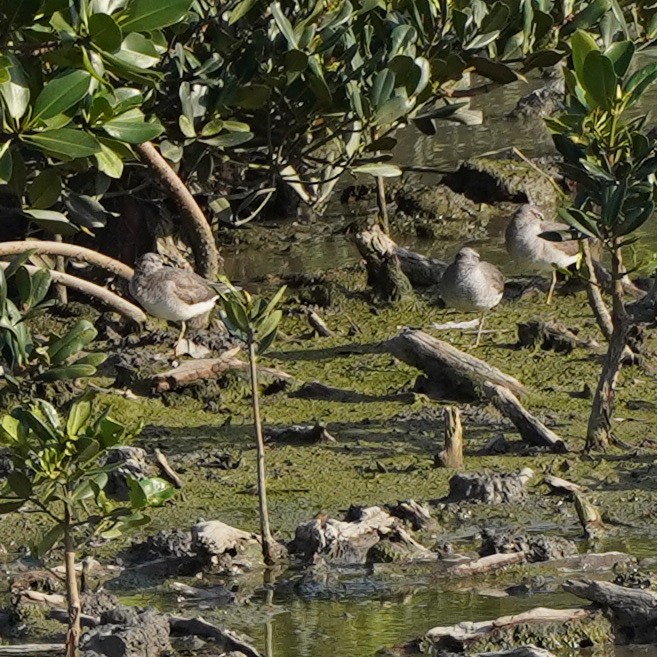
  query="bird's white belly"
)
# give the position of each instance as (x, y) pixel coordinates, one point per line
(472, 293)
(178, 312)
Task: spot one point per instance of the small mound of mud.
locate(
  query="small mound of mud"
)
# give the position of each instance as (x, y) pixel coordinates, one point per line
(537, 548)
(166, 543)
(489, 488)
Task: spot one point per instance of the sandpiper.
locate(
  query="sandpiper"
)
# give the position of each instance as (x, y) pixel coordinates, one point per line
(523, 242)
(171, 293)
(472, 285)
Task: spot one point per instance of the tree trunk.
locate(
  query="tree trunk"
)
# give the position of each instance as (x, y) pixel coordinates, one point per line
(206, 254)
(72, 592)
(598, 433)
(265, 532)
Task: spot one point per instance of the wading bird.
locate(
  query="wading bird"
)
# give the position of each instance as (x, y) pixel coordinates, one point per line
(525, 244)
(472, 285)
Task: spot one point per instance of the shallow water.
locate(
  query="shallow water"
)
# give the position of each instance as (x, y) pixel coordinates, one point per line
(365, 618)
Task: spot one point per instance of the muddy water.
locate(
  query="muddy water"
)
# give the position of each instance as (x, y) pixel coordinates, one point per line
(364, 617)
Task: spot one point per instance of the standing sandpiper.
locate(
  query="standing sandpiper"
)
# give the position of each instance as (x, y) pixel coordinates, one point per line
(523, 242)
(170, 293)
(472, 285)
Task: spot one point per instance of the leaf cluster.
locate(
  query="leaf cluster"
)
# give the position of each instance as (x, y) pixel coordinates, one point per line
(252, 320)
(27, 358)
(58, 470)
(608, 153)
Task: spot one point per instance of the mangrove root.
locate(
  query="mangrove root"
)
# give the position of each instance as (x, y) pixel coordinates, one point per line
(537, 334)
(318, 326)
(306, 434)
(489, 488)
(110, 299)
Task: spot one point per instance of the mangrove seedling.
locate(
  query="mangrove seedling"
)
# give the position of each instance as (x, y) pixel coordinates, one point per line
(59, 470)
(611, 157)
(255, 322)
(28, 360)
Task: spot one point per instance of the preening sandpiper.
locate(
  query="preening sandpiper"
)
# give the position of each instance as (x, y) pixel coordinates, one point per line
(523, 242)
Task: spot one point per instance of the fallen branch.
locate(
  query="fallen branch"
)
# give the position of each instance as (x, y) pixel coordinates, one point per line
(531, 430)
(225, 639)
(208, 368)
(167, 471)
(33, 649)
(73, 251)
(110, 299)
(489, 564)
(452, 371)
(318, 325)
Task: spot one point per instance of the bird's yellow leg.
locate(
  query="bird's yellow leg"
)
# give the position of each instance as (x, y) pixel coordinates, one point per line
(553, 284)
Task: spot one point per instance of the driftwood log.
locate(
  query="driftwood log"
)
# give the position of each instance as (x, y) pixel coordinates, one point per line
(531, 430)
(224, 639)
(452, 372)
(634, 611)
(522, 651)
(33, 649)
(300, 433)
(588, 515)
(452, 455)
(208, 368)
(489, 564)
(420, 270)
(167, 471)
(559, 486)
(464, 635)
(539, 334)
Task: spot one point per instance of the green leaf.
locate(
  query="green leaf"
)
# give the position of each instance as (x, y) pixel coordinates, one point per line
(599, 79)
(94, 359)
(156, 491)
(296, 61)
(384, 85)
(6, 163)
(228, 139)
(74, 371)
(587, 16)
(284, 25)
(86, 211)
(579, 221)
(635, 220)
(495, 71)
(581, 44)
(23, 283)
(380, 169)
(236, 314)
(147, 15)
(40, 286)
(621, 54)
(132, 128)
(65, 143)
(79, 415)
(61, 94)
(268, 325)
(138, 51)
(275, 300)
(240, 11)
(55, 222)
(16, 92)
(640, 81)
(108, 160)
(20, 484)
(78, 336)
(543, 59)
(392, 110)
(51, 538)
(10, 507)
(43, 192)
(481, 40)
(252, 96)
(105, 32)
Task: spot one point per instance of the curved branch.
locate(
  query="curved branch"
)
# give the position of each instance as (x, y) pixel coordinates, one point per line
(69, 251)
(205, 249)
(112, 300)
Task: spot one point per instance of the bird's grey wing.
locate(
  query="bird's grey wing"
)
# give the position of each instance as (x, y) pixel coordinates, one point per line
(494, 275)
(190, 288)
